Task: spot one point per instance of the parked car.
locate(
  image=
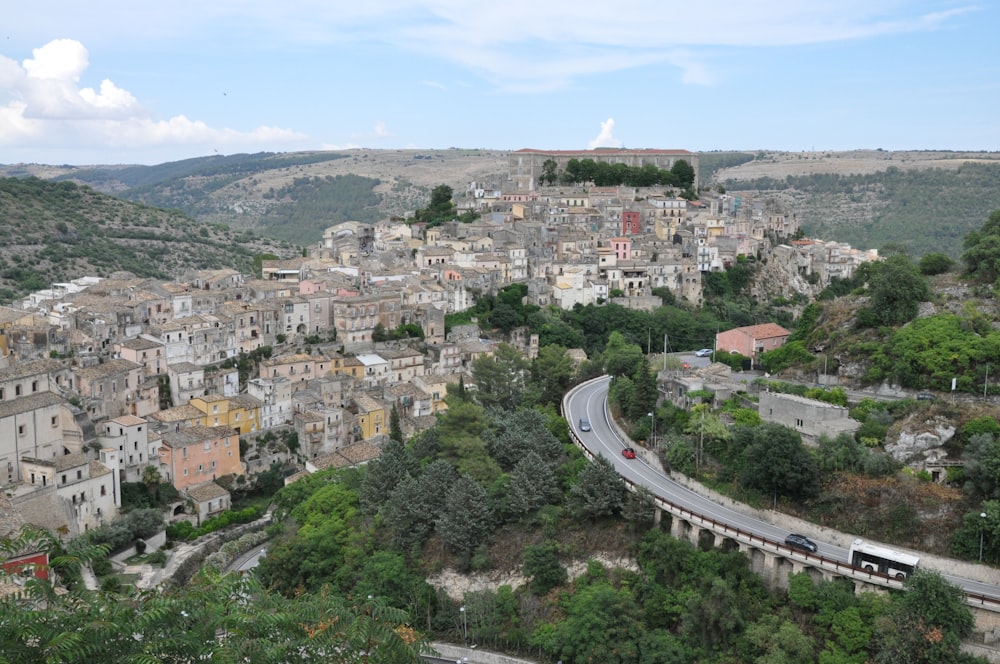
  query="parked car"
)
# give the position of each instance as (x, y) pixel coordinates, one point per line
(628, 453)
(584, 424)
(800, 542)
(704, 352)
(926, 396)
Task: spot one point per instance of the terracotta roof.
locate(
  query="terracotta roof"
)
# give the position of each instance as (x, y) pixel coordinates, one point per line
(206, 491)
(764, 331)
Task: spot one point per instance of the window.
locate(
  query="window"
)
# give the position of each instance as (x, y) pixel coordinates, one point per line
(208, 445)
(201, 467)
(79, 474)
(104, 491)
(185, 472)
(20, 429)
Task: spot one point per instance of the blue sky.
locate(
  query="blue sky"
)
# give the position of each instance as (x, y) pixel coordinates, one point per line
(148, 82)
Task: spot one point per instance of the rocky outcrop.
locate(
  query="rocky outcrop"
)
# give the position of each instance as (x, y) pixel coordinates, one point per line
(916, 440)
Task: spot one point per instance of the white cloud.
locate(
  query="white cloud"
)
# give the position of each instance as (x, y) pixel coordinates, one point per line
(45, 108)
(606, 138)
(379, 132)
(529, 46)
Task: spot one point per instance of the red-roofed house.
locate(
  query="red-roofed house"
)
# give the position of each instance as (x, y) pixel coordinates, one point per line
(752, 340)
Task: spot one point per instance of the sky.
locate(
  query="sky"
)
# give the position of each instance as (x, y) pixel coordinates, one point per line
(149, 82)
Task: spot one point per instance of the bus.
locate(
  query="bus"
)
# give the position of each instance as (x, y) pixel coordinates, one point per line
(874, 558)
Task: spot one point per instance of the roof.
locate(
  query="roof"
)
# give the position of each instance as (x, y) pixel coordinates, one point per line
(763, 331)
(347, 456)
(205, 492)
(195, 435)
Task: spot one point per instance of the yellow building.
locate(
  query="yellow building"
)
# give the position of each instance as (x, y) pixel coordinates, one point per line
(240, 412)
(370, 417)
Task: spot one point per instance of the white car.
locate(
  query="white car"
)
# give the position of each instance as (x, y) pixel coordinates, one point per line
(704, 352)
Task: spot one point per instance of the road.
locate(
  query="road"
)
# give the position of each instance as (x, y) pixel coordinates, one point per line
(590, 401)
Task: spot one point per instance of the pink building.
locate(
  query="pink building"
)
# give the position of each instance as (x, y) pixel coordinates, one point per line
(752, 340)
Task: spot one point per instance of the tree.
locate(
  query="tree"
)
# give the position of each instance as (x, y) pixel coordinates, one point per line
(621, 358)
(599, 491)
(935, 263)
(542, 566)
(416, 504)
(209, 619)
(466, 520)
(501, 378)
(897, 289)
(774, 460)
(683, 174)
(982, 250)
(551, 375)
(440, 209)
(926, 624)
(395, 428)
(383, 474)
(548, 176)
(602, 624)
(533, 483)
(515, 434)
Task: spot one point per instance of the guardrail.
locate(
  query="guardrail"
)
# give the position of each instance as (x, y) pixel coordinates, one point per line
(977, 600)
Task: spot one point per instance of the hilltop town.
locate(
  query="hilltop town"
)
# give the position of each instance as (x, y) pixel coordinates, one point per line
(103, 379)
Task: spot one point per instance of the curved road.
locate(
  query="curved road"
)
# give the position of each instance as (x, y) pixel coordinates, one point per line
(590, 401)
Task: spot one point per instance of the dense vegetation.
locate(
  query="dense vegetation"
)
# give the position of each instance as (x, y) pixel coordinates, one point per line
(603, 174)
(61, 231)
(924, 210)
(307, 206)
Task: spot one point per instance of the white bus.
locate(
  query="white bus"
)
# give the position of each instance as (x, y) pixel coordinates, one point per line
(874, 558)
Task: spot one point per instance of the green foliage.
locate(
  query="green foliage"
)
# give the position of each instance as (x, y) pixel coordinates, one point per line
(599, 491)
(935, 263)
(185, 624)
(603, 174)
(792, 353)
(933, 209)
(466, 520)
(929, 352)
(773, 460)
(67, 231)
(897, 289)
(441, 208)
(982, 251)
(124, 531)
(501, 378)
(542, 566)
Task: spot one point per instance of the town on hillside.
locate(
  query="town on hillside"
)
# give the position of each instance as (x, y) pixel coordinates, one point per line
(103, 379)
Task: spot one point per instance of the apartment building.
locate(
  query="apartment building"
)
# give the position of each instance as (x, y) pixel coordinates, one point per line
(199, 454)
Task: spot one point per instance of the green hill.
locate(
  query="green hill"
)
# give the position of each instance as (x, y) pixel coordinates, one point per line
(58, 231)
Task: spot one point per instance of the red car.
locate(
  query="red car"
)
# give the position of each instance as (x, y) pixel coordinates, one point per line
(628, 453)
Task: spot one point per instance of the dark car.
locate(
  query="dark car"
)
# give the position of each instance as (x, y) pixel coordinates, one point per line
(628, 453)
(800, 542)
(584, 424)
(926, 396)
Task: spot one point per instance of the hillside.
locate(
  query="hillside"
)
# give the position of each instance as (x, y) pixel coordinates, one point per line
(922, 200)
(294, 196)
(58, 231)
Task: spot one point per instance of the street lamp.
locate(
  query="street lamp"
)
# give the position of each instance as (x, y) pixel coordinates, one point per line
(652, 433)
(465, 625)
(982, 516)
